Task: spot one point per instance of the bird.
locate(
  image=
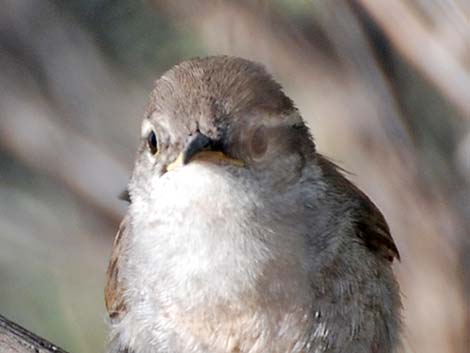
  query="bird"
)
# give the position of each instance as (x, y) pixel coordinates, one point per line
(240, 237)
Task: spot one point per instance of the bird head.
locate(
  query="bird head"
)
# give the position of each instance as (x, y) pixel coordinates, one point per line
(226, 113)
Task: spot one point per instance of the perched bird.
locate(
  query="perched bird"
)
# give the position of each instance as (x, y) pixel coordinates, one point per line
(239, 236)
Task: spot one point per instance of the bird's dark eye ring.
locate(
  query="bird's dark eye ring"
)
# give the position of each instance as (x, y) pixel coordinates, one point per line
(152, 142)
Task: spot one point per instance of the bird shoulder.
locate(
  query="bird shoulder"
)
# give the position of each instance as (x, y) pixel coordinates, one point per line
(369, 224)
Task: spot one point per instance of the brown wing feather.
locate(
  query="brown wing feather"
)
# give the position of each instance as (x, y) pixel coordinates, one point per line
(370, 225)
(373, 230)
(113, 293)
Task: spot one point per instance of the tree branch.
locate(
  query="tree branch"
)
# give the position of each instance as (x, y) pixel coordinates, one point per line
(16, 339)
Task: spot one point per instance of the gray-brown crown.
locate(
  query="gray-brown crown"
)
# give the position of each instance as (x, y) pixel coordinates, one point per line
(216, 87)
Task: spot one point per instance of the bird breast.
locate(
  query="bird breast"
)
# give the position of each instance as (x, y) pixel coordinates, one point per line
(206, 263)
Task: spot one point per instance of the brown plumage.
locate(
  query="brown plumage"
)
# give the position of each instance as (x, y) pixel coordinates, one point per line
(240, 237)
(113, 294)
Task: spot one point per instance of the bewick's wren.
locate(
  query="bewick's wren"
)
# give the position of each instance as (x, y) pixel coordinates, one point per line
(240, 237)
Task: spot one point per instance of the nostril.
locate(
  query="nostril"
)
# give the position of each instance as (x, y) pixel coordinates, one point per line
(197, 143)
(200, 139)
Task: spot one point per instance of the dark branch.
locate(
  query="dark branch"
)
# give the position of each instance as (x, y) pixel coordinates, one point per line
(16, 339)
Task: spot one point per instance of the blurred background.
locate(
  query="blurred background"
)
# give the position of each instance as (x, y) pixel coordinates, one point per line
(383, 84)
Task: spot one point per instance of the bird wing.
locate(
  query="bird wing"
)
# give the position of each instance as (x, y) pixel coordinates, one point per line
(373, 231)
(369, 224)
(114, 289)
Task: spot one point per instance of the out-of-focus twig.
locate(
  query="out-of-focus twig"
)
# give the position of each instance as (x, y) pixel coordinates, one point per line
(419, 46)
(350, 42)
(28, 133)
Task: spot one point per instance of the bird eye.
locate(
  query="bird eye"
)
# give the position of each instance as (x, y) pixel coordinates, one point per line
(152, 142)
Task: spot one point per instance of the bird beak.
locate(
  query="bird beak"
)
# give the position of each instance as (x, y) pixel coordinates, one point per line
(202, 148)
